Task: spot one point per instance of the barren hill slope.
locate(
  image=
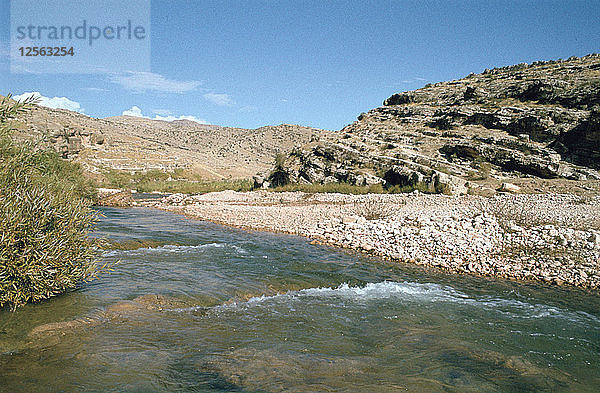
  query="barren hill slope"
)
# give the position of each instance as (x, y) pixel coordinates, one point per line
(138, 144)
(539, 120)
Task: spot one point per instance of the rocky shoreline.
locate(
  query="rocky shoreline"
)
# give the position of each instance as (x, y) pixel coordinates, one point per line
(551, 238)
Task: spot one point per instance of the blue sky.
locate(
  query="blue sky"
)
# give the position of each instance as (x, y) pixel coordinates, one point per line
(315, 63)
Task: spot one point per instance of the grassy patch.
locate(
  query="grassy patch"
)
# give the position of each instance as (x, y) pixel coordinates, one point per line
(421, 187)
(345, 188)
(178, 181)
(188, 187)
(342, 188)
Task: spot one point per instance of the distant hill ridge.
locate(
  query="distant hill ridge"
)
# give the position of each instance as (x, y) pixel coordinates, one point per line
(139, 144)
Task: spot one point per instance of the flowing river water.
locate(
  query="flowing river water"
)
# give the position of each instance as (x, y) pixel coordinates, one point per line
(210, 308)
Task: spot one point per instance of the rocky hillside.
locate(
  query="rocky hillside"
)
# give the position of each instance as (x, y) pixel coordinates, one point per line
(138, 144)
(539, 120)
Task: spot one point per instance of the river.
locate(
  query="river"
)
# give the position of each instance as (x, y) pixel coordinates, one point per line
(262, 312)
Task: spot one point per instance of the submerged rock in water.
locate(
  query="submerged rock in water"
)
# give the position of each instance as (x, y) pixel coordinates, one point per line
(62, 328)
(456, 367)
(270, 370)
(121, 310)
(154, 302)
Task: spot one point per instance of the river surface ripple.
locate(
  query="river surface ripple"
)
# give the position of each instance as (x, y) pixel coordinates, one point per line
(250, 311)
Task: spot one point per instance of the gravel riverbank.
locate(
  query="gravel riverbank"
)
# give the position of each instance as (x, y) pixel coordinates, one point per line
(554, 238)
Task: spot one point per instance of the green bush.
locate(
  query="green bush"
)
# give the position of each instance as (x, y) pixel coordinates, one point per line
(398, 189)
(345, 188)
(342, 188)
(279, 176)
(44, 220)
(58, 174)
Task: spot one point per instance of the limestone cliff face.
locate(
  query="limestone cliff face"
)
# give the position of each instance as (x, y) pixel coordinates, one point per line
(539, 120)
(581, 144)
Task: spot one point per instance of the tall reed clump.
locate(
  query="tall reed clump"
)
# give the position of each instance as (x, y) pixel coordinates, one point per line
(44, 220)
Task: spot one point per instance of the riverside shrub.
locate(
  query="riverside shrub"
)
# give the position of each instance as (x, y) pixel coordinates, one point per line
(44, 221)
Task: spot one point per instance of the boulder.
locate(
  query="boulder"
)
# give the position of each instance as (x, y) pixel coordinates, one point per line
(314, 174)
(371, 180)
(402, 176)
(508, 187)
(329, 180)
(97, 138)
(544, 90)
(62, 148)
(448, 184)
(470, 93)
(540, 128)
(74, 144)
(258, 180)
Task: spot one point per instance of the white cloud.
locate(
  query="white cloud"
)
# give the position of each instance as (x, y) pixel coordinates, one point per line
(54, 102)
(182, 117)
(219, 99)
(149, 81)
(135, 111)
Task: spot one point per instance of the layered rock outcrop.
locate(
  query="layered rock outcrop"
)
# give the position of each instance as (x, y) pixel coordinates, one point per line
(528, 120)
(70, 141)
